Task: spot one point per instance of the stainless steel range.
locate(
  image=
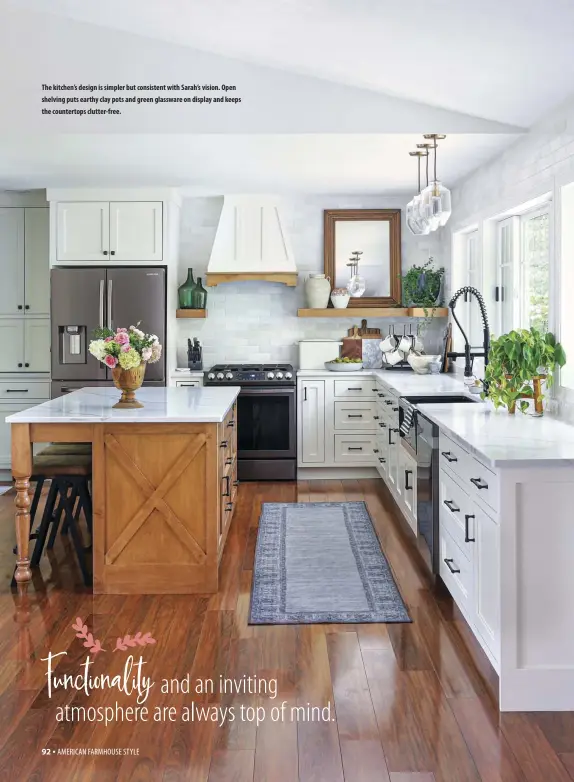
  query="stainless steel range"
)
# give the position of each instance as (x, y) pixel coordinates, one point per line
(266, 418)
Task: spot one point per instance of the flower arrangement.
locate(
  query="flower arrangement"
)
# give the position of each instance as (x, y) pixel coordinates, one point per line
(125, 348)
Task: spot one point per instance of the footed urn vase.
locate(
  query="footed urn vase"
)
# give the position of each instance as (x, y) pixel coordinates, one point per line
(128, 381)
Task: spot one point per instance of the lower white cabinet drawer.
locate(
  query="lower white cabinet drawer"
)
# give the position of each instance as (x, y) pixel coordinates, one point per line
(452, 455)
(186, 383)
(22, 390)
(354, 388)
(457, 573)
(355, 448)
(456, 511)
(355, 415)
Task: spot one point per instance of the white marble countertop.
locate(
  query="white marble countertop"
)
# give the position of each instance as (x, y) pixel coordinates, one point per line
(402, 382)
(504, 440)
(161, 405)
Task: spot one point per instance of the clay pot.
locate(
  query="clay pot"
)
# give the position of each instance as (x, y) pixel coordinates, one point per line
(128, 381)
(317, 291)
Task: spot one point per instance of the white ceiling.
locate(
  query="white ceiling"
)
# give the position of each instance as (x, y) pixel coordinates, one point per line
(504, 60)
(215, 164)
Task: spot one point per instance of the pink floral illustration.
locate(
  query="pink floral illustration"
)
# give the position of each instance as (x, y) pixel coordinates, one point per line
(138, 639)
(110, 361)
(89, 641)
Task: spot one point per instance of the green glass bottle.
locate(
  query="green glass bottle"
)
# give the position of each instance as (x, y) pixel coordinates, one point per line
(199, 296)
(185, 292)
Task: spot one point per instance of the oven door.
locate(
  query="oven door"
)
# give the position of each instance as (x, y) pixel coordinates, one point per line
(266, 423)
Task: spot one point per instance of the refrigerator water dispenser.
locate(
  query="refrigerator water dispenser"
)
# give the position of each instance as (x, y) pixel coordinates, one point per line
(72, 344)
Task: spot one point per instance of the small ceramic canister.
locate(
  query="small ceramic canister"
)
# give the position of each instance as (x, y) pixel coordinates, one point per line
(340, 298)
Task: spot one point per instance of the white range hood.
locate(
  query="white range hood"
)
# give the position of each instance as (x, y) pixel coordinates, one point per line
(251, 243)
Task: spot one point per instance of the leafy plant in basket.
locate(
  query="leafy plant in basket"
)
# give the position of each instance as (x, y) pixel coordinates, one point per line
(422, 287)
(518, 363)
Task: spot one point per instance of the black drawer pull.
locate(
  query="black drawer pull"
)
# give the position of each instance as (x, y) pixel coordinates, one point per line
(223, 444)
(450, 567)
(229, 506)
(229, 461)
(374, 390)
(479, 483)
(382, 425)
(407, 473)
(226, 493)
(16, 390)
(357, 448)
(382, 396)
(354, 389)
(451, 506)
(375, 450)
(354, 415)
(468, 539)
(231, 423)
(389, 402)
(376, 418)
(449, 457)
(382, 461)
(395, 409)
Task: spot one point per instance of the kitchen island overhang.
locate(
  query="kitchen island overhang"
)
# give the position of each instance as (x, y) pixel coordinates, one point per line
(164, 483)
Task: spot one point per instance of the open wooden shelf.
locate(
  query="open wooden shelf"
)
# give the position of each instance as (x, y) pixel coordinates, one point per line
(374, 312)
(191, 314)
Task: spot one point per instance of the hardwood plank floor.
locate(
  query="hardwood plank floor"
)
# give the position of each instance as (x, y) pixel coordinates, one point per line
(406, 702)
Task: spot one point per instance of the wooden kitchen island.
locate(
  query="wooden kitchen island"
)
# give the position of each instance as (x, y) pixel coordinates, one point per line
(164, 482)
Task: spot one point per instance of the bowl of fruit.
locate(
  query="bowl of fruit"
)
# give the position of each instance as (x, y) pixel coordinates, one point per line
(344, 365)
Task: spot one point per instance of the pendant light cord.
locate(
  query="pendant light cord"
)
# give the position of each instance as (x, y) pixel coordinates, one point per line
(435, 149)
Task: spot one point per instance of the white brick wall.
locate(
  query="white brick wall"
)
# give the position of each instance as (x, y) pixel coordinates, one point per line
(257, 321)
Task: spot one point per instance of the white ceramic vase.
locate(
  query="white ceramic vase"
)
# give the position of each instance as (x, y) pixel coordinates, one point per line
(317, 291)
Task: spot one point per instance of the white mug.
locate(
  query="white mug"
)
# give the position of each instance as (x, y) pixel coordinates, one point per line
(389, 343)
(418, 346)
(406, 343)
(394, 357)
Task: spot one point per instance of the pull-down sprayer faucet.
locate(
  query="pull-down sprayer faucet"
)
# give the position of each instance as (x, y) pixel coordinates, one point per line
(469, 355)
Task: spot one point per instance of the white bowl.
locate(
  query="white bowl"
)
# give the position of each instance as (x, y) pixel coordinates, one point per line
(420, 364)
(347, 367)
(340, 302)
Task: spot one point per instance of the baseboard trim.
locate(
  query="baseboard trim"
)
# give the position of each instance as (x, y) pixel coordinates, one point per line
(335, 473)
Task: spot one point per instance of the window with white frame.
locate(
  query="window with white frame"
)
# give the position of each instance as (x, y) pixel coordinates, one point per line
(467, 309)
(566, 279)
(522, 288)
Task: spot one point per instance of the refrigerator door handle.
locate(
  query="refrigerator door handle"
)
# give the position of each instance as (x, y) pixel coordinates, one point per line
(102, 284)
(110, 291)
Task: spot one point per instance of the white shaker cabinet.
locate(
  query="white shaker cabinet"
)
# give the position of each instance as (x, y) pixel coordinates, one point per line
(312, 421)
(407, 487)
(486, 534)
(83, 231)
(12, 340)
(136, 231)
(12, 261)
(102, 231)
(25, 345)
(36, 261)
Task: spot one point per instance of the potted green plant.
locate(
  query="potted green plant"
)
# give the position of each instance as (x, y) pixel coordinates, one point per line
(518, 364)
(422, 287)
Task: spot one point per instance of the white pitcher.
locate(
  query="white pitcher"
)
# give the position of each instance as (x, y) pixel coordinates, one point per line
(317, 291)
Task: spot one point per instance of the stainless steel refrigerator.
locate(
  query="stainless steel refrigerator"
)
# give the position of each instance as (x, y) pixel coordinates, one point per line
(83, 299)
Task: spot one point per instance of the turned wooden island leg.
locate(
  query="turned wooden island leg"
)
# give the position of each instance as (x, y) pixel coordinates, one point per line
(22, 471)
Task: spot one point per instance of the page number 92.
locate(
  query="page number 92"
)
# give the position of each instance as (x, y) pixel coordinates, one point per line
(46, 751)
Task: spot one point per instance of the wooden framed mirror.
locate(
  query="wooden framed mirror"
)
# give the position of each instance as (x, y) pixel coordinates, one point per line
(373, 238)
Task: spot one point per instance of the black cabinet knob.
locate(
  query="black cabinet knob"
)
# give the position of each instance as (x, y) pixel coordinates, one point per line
(113, 252)
(19, 365)
(19, 306)
(27, 307)
(26, 365)
(105, 252)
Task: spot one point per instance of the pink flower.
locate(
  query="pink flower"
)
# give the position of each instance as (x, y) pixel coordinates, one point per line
(109, 339)
(126, 348)
(146, 354)
(121, 330)
(122, 338)
(111, 361)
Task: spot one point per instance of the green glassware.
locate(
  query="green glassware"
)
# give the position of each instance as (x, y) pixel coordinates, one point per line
(185, 292)
(199, 296)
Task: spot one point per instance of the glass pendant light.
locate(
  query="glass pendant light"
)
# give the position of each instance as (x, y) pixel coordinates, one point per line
(417, 225)
(436, 197)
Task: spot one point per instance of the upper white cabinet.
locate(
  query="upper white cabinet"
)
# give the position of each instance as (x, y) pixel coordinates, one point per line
(136, 231)
(24, 242)
(12, 261)
(102, 231)
(36, 262)
(82, 231)
(312, 422)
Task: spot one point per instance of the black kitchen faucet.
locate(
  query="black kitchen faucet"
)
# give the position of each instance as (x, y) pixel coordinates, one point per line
(469, 355)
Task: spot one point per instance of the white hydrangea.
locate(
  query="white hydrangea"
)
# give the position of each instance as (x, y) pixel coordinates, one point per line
(137, 332)
(97, 348)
